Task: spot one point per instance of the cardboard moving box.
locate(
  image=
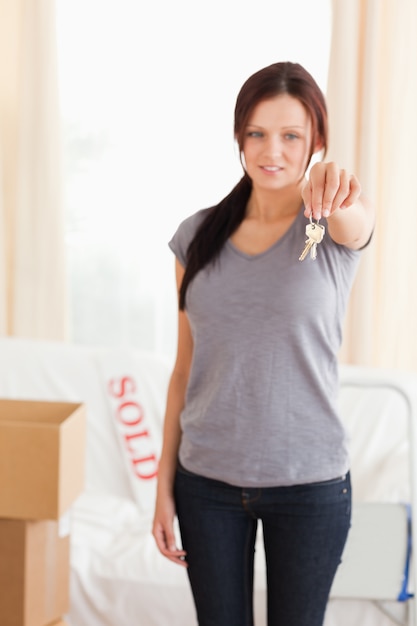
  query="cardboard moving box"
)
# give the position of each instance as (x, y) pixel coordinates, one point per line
(42, 458)
(34, 573)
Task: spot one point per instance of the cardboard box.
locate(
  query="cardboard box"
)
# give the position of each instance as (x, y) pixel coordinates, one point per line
(42, 458)
(34, 573)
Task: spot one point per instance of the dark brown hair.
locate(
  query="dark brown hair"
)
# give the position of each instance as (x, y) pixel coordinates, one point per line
(224, 218)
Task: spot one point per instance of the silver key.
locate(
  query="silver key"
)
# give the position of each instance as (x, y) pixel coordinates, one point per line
(314, 233)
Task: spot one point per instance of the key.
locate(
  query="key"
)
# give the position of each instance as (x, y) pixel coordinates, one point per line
(314, 233)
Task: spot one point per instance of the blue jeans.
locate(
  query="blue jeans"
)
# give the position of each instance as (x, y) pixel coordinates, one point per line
(305, 529)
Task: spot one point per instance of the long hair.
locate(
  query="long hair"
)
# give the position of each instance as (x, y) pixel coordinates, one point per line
(224, 218)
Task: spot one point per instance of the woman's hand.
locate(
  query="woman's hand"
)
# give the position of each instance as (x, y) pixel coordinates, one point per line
(329, 188)
(163, 530)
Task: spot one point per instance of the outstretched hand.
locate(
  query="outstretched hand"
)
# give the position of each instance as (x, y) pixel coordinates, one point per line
(329, 188)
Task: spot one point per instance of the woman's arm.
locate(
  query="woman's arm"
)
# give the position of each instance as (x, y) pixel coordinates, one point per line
(163, 529)
(352, 227)
(334, 194)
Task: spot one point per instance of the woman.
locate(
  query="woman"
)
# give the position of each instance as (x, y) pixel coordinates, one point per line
(251, 427)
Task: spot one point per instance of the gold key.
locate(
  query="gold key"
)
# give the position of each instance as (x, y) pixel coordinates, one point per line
(314, 233)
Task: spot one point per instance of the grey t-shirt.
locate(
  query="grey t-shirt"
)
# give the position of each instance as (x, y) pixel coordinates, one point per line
(261, 402)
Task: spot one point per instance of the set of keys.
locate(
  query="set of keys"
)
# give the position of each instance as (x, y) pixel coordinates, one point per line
(314, 233)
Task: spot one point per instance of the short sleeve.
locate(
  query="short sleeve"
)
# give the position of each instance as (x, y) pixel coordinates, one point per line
(185, 234)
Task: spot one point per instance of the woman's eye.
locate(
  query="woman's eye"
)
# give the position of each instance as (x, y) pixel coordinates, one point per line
(254, 133)
(291, 136)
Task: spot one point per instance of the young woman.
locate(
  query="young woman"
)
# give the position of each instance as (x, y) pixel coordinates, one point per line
(251, 427)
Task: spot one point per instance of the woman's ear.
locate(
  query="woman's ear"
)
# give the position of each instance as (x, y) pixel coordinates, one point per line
(319, 145)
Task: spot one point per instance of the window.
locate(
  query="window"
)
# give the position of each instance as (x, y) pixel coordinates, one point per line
(147, 96)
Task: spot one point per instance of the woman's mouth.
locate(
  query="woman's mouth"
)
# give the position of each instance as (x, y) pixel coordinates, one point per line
(272, 169)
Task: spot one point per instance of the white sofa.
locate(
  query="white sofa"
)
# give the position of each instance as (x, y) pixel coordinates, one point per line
(117, 576)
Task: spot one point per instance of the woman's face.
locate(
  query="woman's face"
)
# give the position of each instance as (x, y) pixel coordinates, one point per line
(277, 143)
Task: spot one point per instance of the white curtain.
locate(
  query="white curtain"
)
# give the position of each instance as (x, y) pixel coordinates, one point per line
(372, 97)
(32, 276)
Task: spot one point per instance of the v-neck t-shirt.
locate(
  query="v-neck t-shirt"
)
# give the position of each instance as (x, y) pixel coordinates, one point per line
(261, 406)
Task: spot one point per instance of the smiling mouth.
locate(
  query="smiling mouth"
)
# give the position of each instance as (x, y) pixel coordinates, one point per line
(271, 168)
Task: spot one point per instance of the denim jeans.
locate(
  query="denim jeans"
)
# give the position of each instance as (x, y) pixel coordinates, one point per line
(304, 526)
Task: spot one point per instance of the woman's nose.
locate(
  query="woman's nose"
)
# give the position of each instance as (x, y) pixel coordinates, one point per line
(274, 147)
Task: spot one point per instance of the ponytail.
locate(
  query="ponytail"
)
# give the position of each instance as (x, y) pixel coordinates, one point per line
(219, 224)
